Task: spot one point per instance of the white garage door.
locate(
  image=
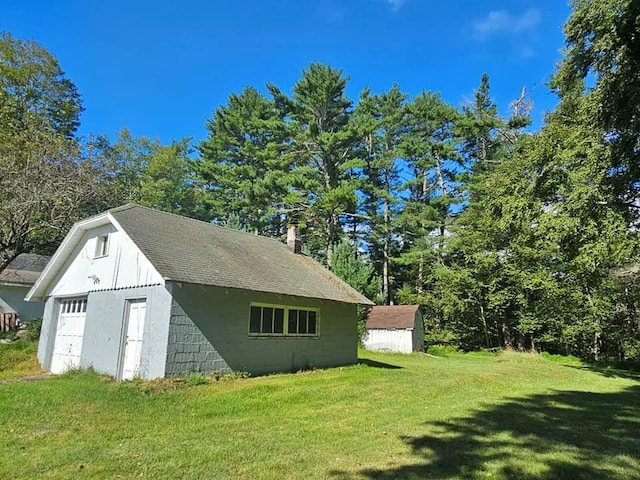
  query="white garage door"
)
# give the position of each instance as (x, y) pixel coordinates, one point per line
(69, 333)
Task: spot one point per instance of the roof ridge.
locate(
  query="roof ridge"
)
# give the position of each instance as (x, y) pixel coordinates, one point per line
(183, 217)
(401, 305)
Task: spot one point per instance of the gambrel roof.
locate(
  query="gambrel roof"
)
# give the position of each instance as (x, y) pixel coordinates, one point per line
(392, 316)
(191, 251)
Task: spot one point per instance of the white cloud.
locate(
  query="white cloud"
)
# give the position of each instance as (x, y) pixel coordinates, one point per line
(502, 21)
(395, 4)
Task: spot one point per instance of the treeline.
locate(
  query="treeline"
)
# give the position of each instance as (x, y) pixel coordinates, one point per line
(507, 238)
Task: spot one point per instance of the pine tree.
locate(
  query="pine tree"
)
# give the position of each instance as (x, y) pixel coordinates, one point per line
(383, 120)
(322, 149)
(243, 172)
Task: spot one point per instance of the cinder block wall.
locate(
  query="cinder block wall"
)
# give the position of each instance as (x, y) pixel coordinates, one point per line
(220, 317)
(188, 349)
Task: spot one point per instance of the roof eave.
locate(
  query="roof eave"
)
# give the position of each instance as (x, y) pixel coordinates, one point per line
(361, 300)
(40, 288)
(6, 283)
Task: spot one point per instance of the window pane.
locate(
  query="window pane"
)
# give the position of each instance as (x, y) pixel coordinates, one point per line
(254, 323)
(312, 322)
(302, 321)
(278, 320)
(102, 245)
(293, 322)
(267, 320)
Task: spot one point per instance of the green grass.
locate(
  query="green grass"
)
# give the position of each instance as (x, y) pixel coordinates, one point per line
(492, 416)
(18, 359)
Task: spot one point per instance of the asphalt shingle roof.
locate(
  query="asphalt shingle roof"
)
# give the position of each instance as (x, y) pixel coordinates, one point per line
(392, 316)
(191, 251)
(24, 269)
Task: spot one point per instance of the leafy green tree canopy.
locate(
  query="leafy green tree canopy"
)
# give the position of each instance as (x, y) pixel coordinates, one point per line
(32, 84)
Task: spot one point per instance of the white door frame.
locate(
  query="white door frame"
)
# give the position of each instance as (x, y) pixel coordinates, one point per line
(125, 334)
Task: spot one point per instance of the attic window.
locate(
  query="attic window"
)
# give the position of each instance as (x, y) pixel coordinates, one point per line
(102, 246)
(277, 320)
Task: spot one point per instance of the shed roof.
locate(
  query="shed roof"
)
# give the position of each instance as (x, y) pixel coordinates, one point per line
(186, 250)
(24, 269)
(392, 316)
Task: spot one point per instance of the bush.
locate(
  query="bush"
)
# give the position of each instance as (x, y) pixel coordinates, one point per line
(443, 350)
(33, 328)
(197, 378)
(552, 357)
(236, 374)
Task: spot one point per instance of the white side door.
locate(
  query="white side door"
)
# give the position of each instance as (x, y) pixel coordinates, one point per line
(134, 319)
(69, 335)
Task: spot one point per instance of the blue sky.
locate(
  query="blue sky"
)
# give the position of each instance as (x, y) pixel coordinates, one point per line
(161, 67)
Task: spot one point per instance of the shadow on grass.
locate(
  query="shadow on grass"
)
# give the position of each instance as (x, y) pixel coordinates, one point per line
(560, 435)
(374, 364)
(610, 372)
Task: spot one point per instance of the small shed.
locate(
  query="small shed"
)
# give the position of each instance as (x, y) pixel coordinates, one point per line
(395, 328)
(15, 282)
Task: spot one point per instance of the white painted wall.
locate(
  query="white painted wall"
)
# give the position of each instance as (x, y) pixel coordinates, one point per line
(389, 340)
(124, 266)
(12, 300)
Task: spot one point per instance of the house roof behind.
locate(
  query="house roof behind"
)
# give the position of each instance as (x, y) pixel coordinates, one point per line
(24, 269)
(187, 250)
(392, 316)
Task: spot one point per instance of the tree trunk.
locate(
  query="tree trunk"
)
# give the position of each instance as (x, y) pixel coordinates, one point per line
(5, 259)
(506, 336)
(441, 184)
(420, 274)
(444, 193)
(484, 326)
(597, 346)
(386, 287)
(425, 188)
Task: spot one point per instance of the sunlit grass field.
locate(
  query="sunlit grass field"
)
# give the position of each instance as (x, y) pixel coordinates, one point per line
(469, 416)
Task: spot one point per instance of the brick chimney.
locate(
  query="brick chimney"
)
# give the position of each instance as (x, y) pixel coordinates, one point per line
(293, 239)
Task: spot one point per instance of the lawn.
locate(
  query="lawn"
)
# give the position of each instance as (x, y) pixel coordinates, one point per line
(393, 416)
(18, 359)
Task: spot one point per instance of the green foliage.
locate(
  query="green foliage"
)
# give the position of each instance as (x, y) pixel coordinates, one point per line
(32, 329)
(560, 358)
(599, 69)
(244, 172)
(351, 267)
(33, 85)
(322, 145)
(443, 350)
(381, 122)
(45, 184)
(143, 171)
(196, 378)
(18, 359)
(236, 375)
